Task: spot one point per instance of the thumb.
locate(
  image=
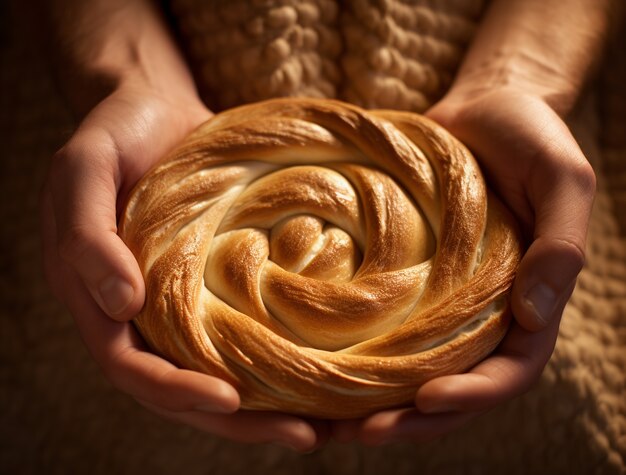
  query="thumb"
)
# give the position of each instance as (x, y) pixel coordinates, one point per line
(561, 196)
(537, 166)
(545, 280)
(83, 181)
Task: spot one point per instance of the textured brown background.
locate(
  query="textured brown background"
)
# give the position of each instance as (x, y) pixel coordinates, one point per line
(59, 415)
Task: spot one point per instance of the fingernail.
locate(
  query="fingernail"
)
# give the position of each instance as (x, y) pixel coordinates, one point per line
(116, 294)
(542, 300)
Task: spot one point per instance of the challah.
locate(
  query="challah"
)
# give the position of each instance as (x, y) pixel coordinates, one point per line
(324, 259)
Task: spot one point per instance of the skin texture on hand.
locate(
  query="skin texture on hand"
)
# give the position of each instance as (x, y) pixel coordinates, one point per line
(150, 106)
(534, 164)
(88, 178)
(506, 105)
(145, 102)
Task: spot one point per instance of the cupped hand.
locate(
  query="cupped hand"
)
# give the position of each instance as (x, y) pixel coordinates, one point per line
(96, 276)
(534, 164)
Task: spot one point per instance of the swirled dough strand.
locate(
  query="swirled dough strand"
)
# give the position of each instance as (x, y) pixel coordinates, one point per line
(324, 259)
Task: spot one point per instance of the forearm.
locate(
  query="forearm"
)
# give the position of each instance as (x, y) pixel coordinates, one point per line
(544, 47)
(97, 45)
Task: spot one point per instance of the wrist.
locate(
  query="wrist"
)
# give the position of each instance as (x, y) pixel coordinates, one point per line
(113, 45)
(519, 74)
(543, 48)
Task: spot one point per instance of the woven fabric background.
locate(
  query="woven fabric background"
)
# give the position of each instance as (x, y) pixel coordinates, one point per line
(60, 416)
(388, 54)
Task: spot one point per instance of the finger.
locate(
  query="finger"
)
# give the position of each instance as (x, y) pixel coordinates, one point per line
(510, 372)
(149, 378)
(323, 433)
(562, 196)
(558, 184)
(83, 184)
(120, 352)
(249, 427)
(409, 425)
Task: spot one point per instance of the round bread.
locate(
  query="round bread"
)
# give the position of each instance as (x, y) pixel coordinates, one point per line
(324, 259)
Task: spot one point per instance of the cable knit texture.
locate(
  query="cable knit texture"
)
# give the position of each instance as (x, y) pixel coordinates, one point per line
(59, 415)
(376, 54)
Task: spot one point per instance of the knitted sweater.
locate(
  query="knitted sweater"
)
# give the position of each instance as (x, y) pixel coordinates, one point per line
(59, 414)
(378, 54)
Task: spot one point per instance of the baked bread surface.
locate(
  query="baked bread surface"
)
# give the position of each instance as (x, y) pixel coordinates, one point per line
(324, 259)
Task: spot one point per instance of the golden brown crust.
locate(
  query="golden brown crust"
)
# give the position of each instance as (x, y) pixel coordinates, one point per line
(324, 259)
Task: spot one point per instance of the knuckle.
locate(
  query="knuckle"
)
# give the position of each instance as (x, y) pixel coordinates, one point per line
(56, 168)
(74, 151)
(573, 251)
(584, 177)
(73, 243)
(79, 152)
(68, 157)
(65, 164)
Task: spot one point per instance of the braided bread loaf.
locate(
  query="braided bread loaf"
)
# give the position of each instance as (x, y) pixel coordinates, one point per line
(324, 259)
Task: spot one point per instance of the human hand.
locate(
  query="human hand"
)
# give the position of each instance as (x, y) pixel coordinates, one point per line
(96, 276)
(506, 105)
(118, 65)
(535, 165)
